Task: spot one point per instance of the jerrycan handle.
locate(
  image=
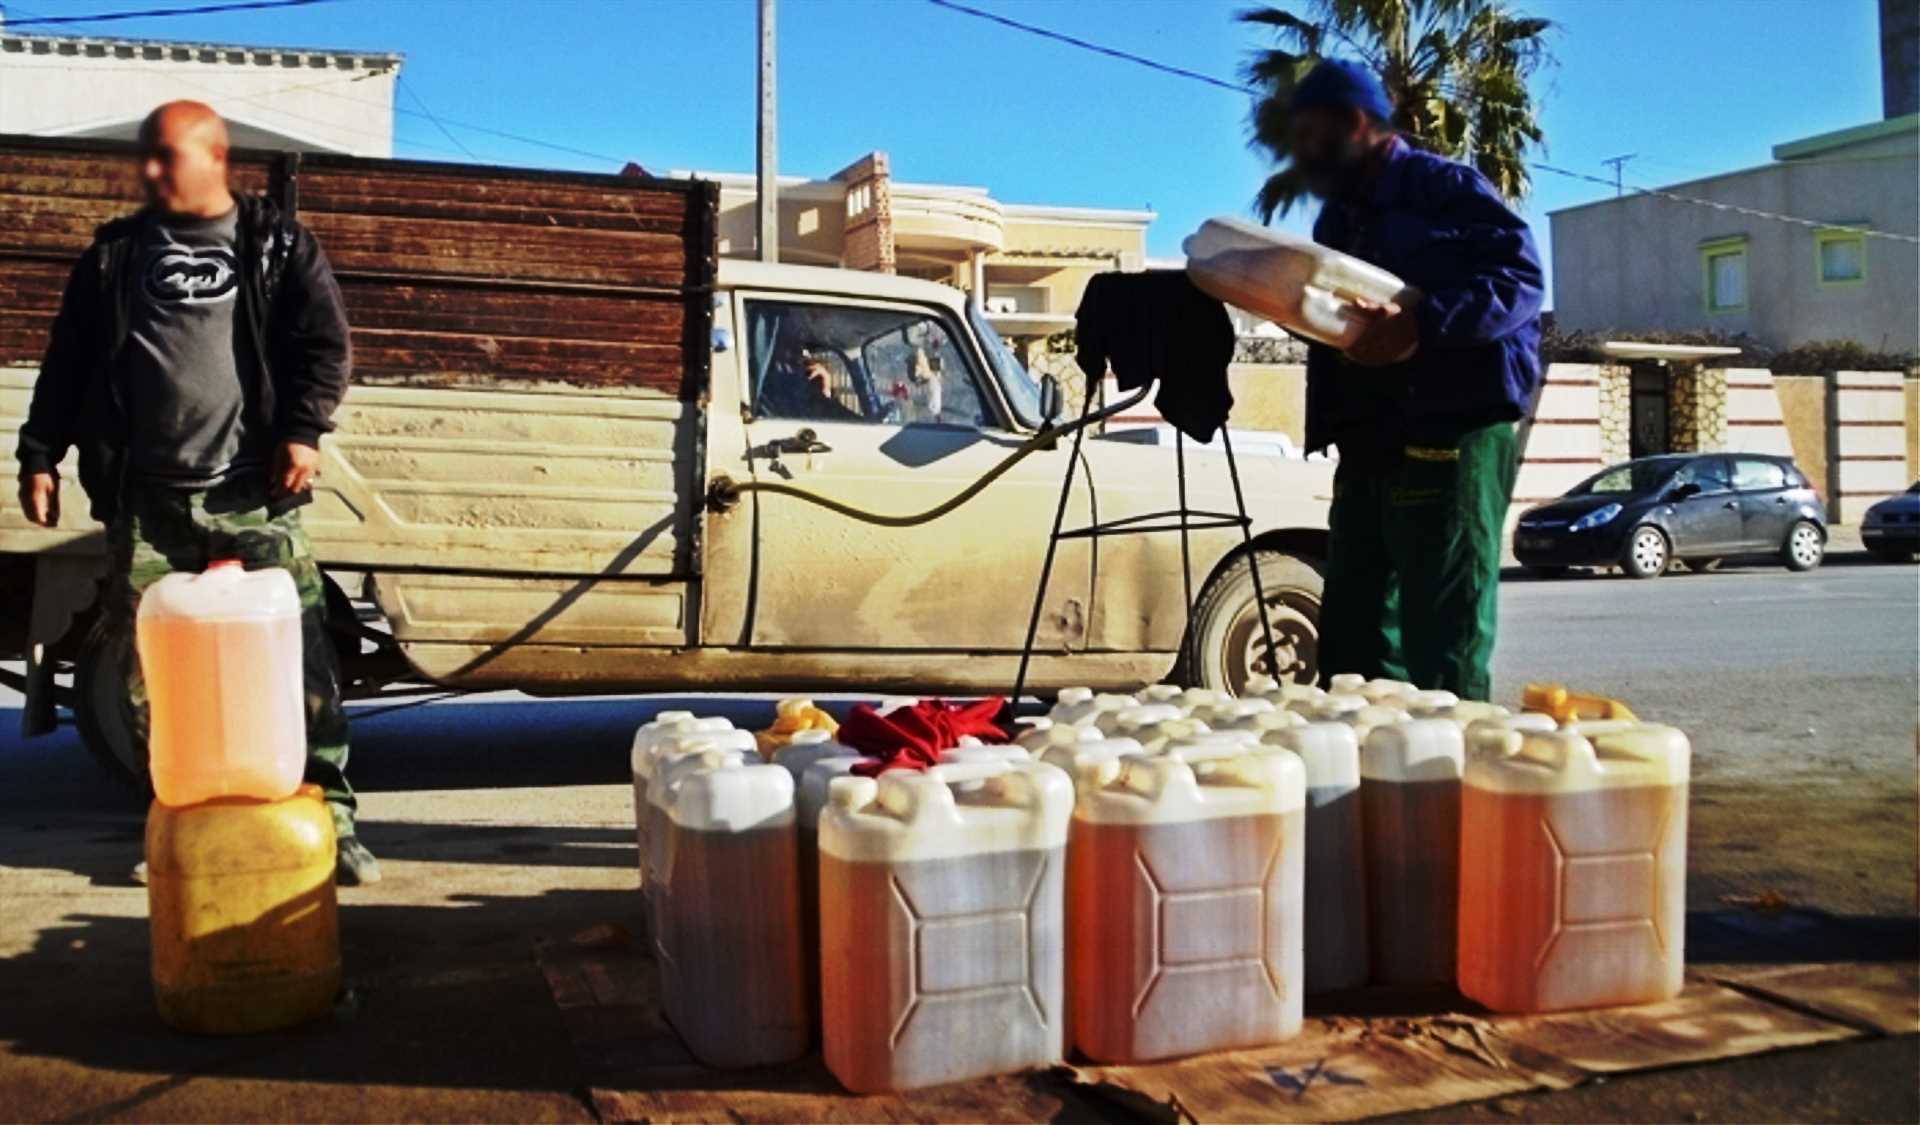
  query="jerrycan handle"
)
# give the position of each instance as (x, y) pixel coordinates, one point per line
(1559, 751)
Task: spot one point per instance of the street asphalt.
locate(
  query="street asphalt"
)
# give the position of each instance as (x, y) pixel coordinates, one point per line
(501, 817)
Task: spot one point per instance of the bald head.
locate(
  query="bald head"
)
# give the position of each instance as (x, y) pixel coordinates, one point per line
(183, 159)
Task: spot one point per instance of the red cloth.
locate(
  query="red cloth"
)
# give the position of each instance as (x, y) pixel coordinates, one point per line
(913, 738)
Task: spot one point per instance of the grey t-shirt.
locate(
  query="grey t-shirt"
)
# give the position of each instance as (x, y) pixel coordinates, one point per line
(185, 375)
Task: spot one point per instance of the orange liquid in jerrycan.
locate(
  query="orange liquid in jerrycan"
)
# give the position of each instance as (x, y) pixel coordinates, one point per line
(1410, 804)
(941, 923)
(244, 921)
(1184, 901)
(727, 913)
(1573, 866)
(221, 655)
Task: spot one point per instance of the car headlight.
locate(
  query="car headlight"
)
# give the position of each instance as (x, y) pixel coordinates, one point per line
(1593, 519)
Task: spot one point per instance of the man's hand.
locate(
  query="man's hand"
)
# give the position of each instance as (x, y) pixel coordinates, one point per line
(40, 499)
(294, 467)
(1391, 335)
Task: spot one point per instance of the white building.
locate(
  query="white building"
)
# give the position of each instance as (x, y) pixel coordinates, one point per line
(272, 97)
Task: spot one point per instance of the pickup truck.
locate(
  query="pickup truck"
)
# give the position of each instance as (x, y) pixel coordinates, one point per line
(559, 387)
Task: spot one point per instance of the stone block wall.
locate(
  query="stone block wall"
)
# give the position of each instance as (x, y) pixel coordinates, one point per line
(1697, 409)
(1616, 413)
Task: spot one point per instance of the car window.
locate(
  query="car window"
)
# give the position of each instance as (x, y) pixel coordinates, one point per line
(1710, 473)
(1758, 476)
(1630, 478)
(832, 363)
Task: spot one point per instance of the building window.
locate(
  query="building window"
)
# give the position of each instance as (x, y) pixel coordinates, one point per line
(1840, 256)
(1724, 264)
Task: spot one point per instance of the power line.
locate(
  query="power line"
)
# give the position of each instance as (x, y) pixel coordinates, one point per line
(155, 13)
(1210, 80)
(1086, 45)
(401, 81)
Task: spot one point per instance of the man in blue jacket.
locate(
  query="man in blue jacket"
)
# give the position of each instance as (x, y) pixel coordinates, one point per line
(1421, 407)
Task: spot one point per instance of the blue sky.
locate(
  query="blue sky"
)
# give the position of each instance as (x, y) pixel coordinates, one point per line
(1693, 86)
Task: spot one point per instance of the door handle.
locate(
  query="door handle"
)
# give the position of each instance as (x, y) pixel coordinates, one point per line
(806, 441)
(1780, 500)
(1731, 505)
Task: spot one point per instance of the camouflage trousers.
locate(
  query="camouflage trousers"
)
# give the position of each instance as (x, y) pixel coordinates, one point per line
(160, 530)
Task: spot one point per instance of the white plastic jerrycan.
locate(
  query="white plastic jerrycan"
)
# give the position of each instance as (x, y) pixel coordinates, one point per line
(1077, 705)
(1573, 861)
(732, 975)
(1292, 281)
(1410, 804)
(670, 757)
(941, 923)
(1072, 758)
(221, 655)
(1185, 877)
(1336, 888)
(665, 733)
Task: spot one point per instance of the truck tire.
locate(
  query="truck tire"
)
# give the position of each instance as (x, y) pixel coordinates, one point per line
(100, 712)
(1224, 644)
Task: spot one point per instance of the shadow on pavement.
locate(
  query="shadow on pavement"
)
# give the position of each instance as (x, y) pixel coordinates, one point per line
(436, 997)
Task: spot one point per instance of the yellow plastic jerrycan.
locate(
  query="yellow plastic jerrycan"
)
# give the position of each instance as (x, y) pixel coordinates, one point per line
(1571, 706)
(245, 925)
(220, 652)
(791, 716)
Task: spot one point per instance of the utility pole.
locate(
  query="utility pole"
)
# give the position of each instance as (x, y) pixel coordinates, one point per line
(1618, 162)
(767, 167)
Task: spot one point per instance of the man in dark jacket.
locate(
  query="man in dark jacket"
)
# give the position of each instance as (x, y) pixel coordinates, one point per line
(198, 355)
(1421, 408)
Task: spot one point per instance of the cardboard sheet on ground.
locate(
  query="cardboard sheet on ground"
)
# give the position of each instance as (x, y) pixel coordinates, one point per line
(1340, 1068)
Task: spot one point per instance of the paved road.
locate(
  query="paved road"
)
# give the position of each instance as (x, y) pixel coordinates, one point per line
(500, 817)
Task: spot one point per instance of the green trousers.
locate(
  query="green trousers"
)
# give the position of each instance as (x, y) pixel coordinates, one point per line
(160, 530)
(1413, 567)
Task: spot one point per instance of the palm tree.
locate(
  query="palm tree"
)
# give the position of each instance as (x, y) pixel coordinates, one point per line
(1456, 72)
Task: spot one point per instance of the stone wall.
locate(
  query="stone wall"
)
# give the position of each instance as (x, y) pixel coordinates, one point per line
(1696, 409)
(1803, 407)
(1616, 413)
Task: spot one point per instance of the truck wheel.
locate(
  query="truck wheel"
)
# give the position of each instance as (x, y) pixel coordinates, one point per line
(100, 711)
(1224, 642)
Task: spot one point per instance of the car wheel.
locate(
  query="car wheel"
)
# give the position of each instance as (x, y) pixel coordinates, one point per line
(1224, 641)
(1891, 554)
(1805, 546)
(1648, 553)
(100, 711)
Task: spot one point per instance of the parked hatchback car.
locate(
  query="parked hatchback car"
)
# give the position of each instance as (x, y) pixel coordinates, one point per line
(1891, 529)
(1643, 514)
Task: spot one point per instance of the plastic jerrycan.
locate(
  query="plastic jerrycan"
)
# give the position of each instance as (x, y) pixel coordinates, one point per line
(666, 732)
(1570, 706)
(244, 921)
(671, 758)
(1410, 806)
(732, 969)
(1185, 887)
(1573, 865)
(1292, 281)
(1336, 890)
(942, 937)
(790, 716)
(221, 655)
(1077, 705)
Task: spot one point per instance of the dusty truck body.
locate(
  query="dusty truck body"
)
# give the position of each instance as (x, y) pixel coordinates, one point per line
(556, 378)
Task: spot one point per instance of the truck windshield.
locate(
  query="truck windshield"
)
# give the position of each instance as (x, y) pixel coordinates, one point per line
(1023, 393)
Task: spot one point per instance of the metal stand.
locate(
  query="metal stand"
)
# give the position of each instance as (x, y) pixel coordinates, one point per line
(1182, 519)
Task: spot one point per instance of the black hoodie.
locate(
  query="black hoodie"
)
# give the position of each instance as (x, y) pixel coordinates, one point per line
(295, 322)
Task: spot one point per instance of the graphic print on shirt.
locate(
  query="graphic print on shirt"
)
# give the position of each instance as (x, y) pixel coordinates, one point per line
(186, 275)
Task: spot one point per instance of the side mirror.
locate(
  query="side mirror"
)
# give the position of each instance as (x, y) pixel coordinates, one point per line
(1682, 491)
(1053, 399)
